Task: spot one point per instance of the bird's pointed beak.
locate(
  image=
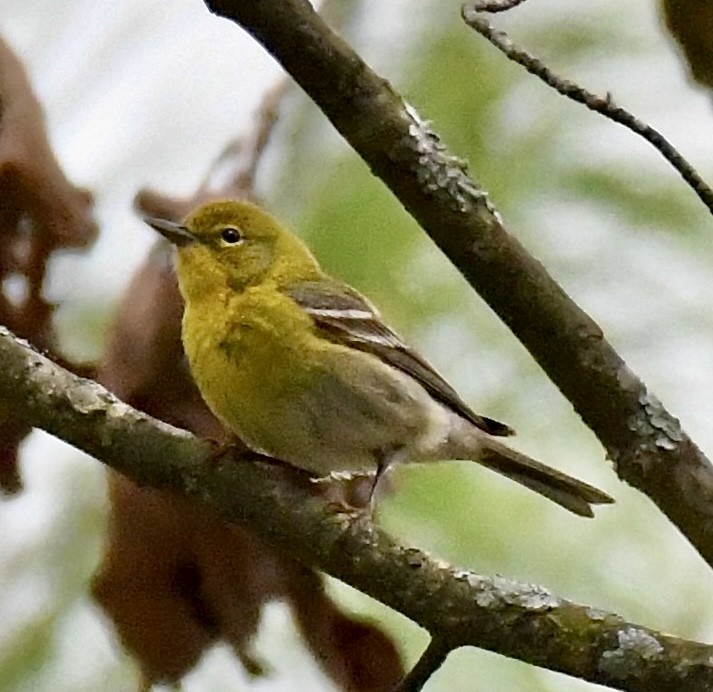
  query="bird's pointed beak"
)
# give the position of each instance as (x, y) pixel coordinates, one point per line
(176, 233)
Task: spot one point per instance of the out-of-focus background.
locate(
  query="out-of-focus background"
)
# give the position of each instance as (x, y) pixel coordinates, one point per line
(148, 93)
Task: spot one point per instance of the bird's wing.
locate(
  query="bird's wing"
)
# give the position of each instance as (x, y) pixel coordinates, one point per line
(344, 316)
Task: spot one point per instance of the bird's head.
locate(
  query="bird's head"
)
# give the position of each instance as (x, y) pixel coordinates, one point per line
(231, 245)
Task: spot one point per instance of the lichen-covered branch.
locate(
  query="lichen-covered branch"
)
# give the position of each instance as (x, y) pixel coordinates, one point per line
(458, 607)
(644, 441)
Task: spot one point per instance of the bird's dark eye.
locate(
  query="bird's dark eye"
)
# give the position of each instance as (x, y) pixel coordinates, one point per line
(231, 235)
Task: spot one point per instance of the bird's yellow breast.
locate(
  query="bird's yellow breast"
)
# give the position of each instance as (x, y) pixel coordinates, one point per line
(247, 355)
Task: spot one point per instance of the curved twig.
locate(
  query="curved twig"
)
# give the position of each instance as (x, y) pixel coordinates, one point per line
(604, 105)
(494, 6)
(430, 661)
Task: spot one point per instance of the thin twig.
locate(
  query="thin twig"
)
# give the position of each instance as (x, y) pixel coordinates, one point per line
(431, 660)
(494, 6)
(233, 172)
(600, 104)
(266, 119)
(243, 156)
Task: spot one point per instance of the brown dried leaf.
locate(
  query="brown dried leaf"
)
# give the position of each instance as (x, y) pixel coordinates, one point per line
(40, 212)
(691, 24)
(33, 184)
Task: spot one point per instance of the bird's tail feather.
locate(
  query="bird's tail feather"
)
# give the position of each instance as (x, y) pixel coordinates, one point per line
(568, 492)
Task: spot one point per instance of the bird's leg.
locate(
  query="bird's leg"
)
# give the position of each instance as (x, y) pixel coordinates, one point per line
(382, 466)
(355, 495)
(385, 459)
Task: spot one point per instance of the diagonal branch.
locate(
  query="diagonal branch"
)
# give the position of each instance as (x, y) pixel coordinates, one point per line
(645, 442)
(458, 607)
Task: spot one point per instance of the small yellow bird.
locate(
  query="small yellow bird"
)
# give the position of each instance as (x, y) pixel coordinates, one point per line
(303, 369)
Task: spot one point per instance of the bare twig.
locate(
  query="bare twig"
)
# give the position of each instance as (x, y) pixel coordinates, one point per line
(233, 172)
(494, 6)
(604, 105)
(460, 607)
(243, 156)
(430, 661)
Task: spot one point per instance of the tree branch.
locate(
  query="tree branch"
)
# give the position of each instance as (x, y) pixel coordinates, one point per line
(458, 607)
(645, 442)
